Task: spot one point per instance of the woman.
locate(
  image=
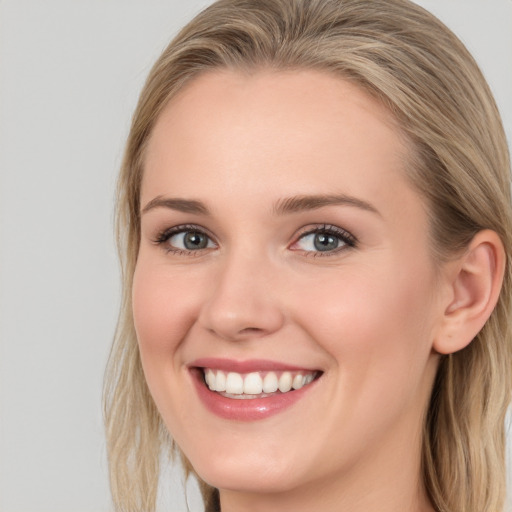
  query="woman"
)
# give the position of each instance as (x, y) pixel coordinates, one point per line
(314, 221)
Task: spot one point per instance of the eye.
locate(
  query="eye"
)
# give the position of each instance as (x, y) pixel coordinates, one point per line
(324, 239)
(190, 240)
(185, 239)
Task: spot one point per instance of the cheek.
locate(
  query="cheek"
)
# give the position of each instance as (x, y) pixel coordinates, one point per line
(374, 328)
(163, 309)
(375, 321)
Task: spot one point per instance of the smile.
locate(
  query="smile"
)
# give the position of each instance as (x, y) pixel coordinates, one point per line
(250, 390)
(255, 384)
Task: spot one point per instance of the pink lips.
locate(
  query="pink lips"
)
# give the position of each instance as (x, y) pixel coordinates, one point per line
(244, 409)
(253, 365)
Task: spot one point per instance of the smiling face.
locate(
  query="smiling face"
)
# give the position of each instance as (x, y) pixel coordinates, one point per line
(282, 246)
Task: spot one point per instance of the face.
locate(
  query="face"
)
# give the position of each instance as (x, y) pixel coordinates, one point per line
(284, 259)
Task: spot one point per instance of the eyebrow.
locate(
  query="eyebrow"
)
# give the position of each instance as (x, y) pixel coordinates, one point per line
(284, 206)
(181, 205)
(312, 202)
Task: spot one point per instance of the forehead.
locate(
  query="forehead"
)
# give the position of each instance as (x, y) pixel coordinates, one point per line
(295, 97)
(273, 133)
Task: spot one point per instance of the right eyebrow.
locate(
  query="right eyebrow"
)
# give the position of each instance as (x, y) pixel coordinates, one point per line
(175, 203)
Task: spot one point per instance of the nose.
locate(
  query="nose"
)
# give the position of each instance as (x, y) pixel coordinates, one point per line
(244, 301)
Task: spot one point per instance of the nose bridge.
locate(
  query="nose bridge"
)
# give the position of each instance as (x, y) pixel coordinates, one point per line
(243, 302)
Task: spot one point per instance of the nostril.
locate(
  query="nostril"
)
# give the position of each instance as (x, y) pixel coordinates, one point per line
(251, 332)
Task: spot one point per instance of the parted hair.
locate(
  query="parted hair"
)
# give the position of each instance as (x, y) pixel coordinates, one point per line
(459, 162)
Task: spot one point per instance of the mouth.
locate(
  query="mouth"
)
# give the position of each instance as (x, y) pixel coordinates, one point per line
(259, 384)
(250, 390)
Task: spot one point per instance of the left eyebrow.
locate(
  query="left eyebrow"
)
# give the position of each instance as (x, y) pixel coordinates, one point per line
(312, 202)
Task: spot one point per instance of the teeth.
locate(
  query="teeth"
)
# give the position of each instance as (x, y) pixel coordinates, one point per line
(209, 377)
(285, 382)
(298, 381)
(234, 383)
(255, 383)
(270, 383)
(220, 381)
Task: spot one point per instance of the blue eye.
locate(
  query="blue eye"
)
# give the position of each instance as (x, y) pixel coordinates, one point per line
(324, 239)
(319, 242)
(185, 239)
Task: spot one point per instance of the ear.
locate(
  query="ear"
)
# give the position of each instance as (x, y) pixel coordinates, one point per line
(475, 281)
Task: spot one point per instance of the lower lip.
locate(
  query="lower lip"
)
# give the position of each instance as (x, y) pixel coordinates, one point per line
(250, 409)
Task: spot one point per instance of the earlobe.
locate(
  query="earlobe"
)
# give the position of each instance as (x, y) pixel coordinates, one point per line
(475, 287)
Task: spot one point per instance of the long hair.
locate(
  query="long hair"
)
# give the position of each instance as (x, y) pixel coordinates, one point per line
(418, 69)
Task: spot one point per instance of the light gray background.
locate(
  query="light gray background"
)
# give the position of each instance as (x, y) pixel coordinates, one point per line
(70, 72)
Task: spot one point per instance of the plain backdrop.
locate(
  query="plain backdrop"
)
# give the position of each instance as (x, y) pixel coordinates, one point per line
(70, 72)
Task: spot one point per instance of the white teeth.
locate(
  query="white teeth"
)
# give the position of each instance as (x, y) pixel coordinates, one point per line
(270, 383)
(234, 383)
(253, 384)
(209, 377)
(285, 382)
(220, 382)
(298, 381)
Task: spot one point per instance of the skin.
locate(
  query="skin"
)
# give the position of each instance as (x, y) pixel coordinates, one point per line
(367, 316)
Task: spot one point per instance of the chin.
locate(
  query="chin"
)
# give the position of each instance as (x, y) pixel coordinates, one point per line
(248, 476)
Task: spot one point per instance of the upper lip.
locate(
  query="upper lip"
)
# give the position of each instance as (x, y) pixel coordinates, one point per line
(247, 366)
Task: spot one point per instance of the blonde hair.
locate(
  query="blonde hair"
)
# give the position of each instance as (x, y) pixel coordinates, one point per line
(404, 56)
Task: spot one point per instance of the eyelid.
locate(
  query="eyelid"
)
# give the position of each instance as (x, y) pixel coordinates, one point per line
(164, 235)
(348, 239)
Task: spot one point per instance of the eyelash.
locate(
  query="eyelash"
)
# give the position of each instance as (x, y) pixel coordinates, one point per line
(348, 240)
(166, 234)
